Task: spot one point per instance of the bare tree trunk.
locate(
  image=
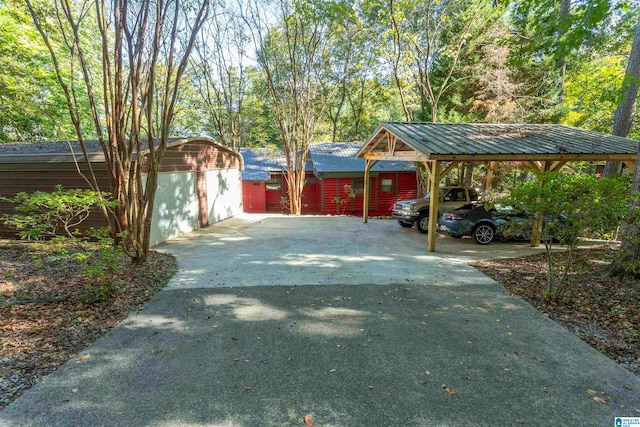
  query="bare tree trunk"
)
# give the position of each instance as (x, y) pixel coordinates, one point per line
(143, 51)
(624, 114)
(468, 176)
(629, 255)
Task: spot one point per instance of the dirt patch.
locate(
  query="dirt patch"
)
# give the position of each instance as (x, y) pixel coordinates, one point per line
(602, 311)
(52, 305)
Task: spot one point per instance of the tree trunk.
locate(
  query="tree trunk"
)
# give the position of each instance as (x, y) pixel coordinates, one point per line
(623, 116)
(561, 63)
(629, 255)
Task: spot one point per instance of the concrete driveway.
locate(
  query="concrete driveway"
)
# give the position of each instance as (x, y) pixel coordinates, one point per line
(395, 337)
(256, 250)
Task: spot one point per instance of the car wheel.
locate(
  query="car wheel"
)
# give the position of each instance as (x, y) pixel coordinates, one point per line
(484, 234)
(405, 224)
(422, 224)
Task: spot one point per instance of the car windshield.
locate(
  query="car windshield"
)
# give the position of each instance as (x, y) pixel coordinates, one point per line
(441, 192)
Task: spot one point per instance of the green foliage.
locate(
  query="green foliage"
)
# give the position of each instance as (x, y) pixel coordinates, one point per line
(56, 213)
(569, 205)
(32, 105)
(103, 265)
(349, 193)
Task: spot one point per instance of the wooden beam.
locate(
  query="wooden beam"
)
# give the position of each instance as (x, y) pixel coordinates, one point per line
(448, 169)
(538, 165)
(400, 156)
(427, 166)
(391, 145)
(433, 206)
(536, 231)
(557, 165)
(368, 164)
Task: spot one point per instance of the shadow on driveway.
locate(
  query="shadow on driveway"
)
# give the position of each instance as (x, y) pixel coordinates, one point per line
(439, 346)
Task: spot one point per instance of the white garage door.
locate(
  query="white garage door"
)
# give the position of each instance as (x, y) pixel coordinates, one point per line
(175, 210)
(223, 194)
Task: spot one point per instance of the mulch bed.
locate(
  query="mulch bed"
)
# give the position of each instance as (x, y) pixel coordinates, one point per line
(601, 310)
(51, 307)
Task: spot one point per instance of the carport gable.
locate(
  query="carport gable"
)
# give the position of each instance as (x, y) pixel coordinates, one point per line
(546, 147)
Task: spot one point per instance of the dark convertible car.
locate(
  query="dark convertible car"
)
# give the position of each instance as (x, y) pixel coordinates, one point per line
(484, 225)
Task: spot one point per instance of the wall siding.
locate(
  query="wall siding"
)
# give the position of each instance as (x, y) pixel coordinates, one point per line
(30, 180)
(194, 157)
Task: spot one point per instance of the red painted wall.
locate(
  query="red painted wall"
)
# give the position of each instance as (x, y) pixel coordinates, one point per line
(380, 204)
(319, 195)
(254, 197)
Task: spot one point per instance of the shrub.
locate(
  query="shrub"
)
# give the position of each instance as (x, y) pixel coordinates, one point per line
(60, 212)
(569, 205)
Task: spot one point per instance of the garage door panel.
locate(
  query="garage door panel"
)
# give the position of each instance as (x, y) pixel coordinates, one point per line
(175, 210)
(223, 194)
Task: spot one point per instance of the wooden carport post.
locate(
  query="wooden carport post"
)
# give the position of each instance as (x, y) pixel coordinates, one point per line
(368, 164)
(545, 166)
(433, 168)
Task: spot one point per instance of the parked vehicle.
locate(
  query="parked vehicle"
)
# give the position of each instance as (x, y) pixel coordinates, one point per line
(416, 211)
(483, 225)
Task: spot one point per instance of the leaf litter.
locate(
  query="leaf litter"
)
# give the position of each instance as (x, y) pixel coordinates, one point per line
(46, 313)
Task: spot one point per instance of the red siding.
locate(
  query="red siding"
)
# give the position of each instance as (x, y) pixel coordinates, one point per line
(310, 201)
(407, 185)
(330, 192)
(254, 196)
(274, 197)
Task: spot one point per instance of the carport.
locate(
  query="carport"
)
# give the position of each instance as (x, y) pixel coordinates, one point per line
(440, 147)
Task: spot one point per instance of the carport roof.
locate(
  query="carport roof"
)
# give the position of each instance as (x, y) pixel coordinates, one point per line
(494, 142)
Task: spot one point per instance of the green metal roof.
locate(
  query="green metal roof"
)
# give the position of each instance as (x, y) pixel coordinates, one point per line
(468, 142)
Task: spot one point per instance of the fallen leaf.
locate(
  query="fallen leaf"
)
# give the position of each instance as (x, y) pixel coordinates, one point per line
(332, 371)
(451, 391)
(592, 392)
(83, 357)
(519, 421)
(74, 390)
(427, 372)
(507, 370)
(308, 421)
(247, 388)
(602, 399)
(370, 387)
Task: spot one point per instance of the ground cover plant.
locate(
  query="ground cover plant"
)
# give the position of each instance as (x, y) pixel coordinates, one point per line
(57, 298)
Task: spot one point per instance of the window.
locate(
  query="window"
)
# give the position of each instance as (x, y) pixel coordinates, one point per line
(357, 185)
(473, 194)
(459, 195)
(274, 184)
(386, 185)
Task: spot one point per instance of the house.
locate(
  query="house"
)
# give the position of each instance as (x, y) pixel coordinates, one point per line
(198, 184)
(330, 167)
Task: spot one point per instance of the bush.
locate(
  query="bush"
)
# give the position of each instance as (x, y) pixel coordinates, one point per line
(52, 214)
(569, 206)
